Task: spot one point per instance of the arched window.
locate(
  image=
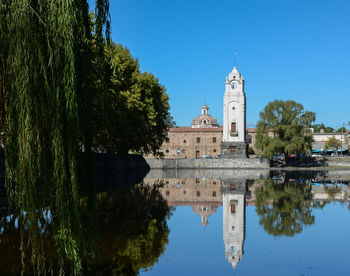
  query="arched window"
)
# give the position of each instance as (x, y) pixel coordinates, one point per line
(233, 127)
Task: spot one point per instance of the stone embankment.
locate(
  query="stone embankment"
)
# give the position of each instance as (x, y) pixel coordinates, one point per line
(221, 163)
(341, 161)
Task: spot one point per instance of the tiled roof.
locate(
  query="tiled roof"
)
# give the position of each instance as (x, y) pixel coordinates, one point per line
(191, 129)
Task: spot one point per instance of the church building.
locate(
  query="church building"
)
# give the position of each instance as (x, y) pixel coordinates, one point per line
(205, 138)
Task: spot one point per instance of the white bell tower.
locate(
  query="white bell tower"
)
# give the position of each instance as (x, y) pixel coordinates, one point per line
(234, 143)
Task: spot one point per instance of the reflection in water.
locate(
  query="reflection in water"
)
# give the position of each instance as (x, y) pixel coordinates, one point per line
(233, 200)
(128, 230)
(283, 200)
(129, 233)
(205, 194)
(284, 207)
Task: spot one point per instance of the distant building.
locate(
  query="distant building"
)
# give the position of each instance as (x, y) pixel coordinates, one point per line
(320, 139)
(201, 139)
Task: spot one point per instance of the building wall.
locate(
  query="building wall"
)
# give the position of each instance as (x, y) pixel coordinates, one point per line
(183, 143)
(185, 140)
(190, 191)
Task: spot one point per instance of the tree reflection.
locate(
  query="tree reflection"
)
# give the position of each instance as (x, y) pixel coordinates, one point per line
(284, 208)
(132, 229)
(128, 233)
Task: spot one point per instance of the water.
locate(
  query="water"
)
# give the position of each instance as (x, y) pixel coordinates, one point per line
(212, 222)
(298, 225)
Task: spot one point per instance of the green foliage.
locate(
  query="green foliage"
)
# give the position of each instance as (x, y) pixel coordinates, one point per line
(284, 128)
(64, 88)
(251, 150)
(170, 122)
(317, 128)
(133, 229)
(284, 208)
(342, 129)
(44, 45)
(332, 143)
(137, 107)
(132, 234)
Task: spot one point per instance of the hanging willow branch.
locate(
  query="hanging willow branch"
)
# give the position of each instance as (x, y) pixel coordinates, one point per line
(41, 90)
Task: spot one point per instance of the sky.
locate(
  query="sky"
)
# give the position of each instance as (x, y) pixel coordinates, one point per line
(288, 50)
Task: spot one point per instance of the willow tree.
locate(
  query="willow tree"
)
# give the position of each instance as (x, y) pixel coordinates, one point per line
(284, 128)
(43, 94)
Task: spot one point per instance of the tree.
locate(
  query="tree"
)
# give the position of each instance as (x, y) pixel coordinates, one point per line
(44, 55)
(284, 208)
(332, 143)
(317, 128)
(284, 128)
(137, 107)
(342, 129)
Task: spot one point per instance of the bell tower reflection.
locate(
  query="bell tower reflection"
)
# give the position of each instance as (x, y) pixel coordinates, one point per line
(234, 192)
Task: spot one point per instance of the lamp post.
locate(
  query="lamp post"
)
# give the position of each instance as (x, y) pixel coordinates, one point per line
(341, 141)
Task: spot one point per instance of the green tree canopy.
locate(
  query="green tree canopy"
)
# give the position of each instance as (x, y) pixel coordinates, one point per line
(332, 143)
(284, 128)
(136, 107)
(342, 129)
(317, 128)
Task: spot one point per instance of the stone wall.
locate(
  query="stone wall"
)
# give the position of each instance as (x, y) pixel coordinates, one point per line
(338, 161)
(221, 163)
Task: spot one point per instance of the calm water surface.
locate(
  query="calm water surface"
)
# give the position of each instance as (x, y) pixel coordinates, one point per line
(206, 222)
(255, 223)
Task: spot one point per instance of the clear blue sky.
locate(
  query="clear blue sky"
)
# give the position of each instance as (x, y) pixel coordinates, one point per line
(290, 50)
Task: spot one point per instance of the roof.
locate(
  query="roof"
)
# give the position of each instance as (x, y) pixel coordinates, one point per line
(201, 117)
(191, 129)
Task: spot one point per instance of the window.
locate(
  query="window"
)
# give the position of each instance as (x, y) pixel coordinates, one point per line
(185, 141)
(214, 194)
(233, 128)
(214, 150)
(167, 151)
(198, 193)
(183, 151)
(233, 208)
(197, 180)
(167, 140)
(184, 192)
(214, 139)
(167, 193)
(214, 182)
(166, 182)
(198, 139)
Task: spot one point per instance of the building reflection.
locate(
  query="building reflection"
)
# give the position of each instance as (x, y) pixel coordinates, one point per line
(234, 193)
(206, 190)
(205, 194)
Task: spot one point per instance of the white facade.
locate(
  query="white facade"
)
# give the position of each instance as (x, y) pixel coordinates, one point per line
(234, 123)
(233, 224)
